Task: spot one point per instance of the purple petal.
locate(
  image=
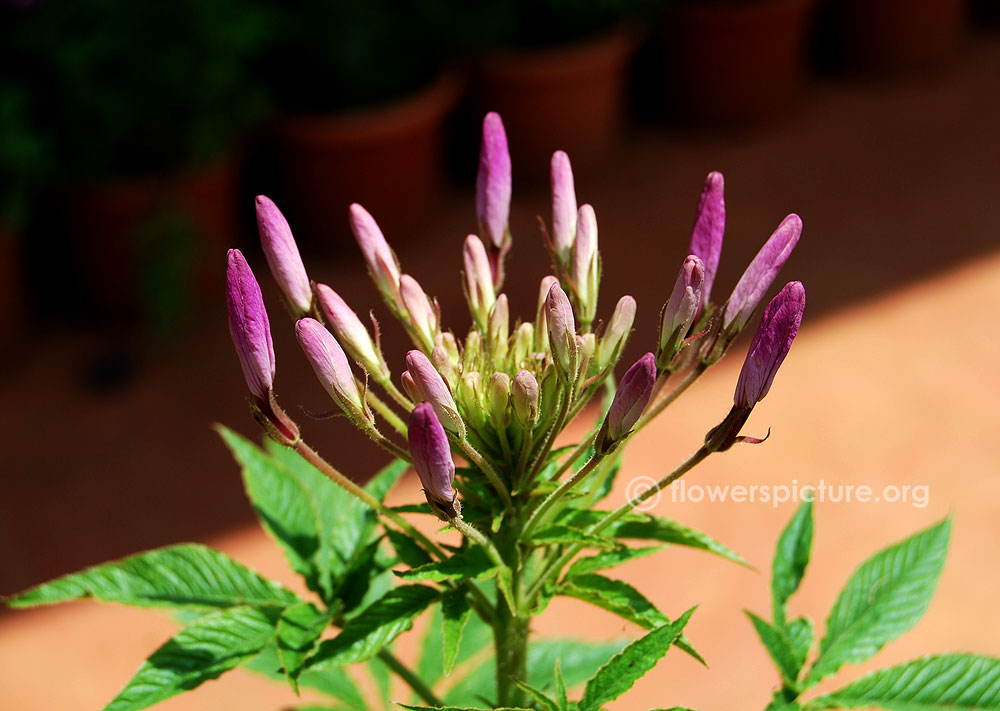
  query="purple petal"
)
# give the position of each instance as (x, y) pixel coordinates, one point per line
(431, 453)
(283, 255)
(432, 388)
(563, 205)
(378, 256)
(761, 273)
(329, 362)
(349, 329)
(709, 226)
(632, 396)
(777, 329)
(493, 183)
(562, 330)
(248, 325)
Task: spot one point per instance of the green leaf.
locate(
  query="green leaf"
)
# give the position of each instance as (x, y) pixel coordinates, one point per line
(455, 612)
(608, 559)
(382, 677)
(560, 534)
(884, 597)
(471, 564)
(476, 636)
(955, 682)
(201, 651)
(800, 635)
(333, 682)
(561, 699)
(460, 708)
(379, 624)
(790, 559)
(779, 647)
(656, 528)
(299, 629)
(545, 703)
(622, 599)
(625, 668)
(186, 575)
(406, 548)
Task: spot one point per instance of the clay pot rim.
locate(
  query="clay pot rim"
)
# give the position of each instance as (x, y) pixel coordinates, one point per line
(546, 64)
(407, 114)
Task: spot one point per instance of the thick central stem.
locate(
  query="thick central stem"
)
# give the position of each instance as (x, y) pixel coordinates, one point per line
(511, 644)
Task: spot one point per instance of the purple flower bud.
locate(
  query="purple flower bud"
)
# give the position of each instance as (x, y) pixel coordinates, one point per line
(479, 289)
(248, 326)
(524, 398)
(584, 271)
(761, 273)
(541, 327)
(331, 366)
(777, 329)
(562, 333)
(493, 183)
(350, 331)
(706, 236)
(283, 256)
(382, 264)
(631, 398)
(423, 314)
(563, 205)
(617, 332)
(431, 387)
(431, 455)
(679, 312)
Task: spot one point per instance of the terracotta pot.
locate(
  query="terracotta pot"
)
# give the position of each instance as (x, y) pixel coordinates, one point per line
(11, 294)
(147, 241)
(570, 97)
(888, 35)
(735, 60)
(388, 158)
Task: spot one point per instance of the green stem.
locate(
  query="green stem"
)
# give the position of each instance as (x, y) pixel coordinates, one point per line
(510, 639)
(382, 407)
(411, 679)
(553, 498)
(485, 467)
(550, 435)
(664, 402)
(395, 394)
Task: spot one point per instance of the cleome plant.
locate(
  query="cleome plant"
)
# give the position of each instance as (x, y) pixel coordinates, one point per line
(521, 519)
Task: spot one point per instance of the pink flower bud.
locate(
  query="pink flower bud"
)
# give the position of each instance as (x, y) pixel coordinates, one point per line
(382, 264)
(493, 183)
(617, 332)
(283, 256)
(585, 269)
(524, 398)
(631, 398)
(431, 456)
(350, 331)
(562, 333)
(431, 387)
(778, 327)
(423, 314)
(706, 236)
(331, 366)
(410, 386)
(563, 205)
(248, 326)
(680, 310)
(761, 273)
(479, 288)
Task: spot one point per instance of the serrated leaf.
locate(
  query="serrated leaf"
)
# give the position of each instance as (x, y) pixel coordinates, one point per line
(625, 668)
(538, 695)
(884, 597)
(461, 708)
(791, 557)
(622, 599)
(957, 682)
(298, 632)
(407, 549)
(561, 699)
(778, 647)
(800, 635)
(608, 559)
(657, 528)
(380, 623)
(201, 651)
(333, 682)
(455, 613)
(470, 564)
(186, 575)
(561, 534)
(476, 636)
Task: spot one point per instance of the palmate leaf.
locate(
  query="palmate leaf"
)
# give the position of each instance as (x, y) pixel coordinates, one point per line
(455, 612)
(186, 575)
(559, 534)
(625, 668)
(476, 636)
(884, 597)
(608, 559)
(541, 698)
(333, 682)
(203, 650)
(380, 623)
(470, 564)
(956, 682)
(779, 647)
(790, 560)
(298, 632)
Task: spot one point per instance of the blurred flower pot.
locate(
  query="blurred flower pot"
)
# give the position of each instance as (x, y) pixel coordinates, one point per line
(11, 295)
(735, 59)
(889, 35)
(388, 158)
(151, 247)
(569, 97)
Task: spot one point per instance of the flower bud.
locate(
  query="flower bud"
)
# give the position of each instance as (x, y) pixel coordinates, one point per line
(431, 387)
(761, 273)
(679, 311)
(331, 366)
(351, 332)
(410, 386)
(524, 399)
(616, 334)
(432, 460)
(631, 398)
(499, 328)
(382, 263)
(541, 327)
(549, 398)
(562, 333)
(445, 365)
(523, 340)
(585, 267)
(480, 291)
(493, 183)
(473, 351)
(471, 395)
(499, 400)
(706, 236)
(778, 327)
(423, 315)
(586, 347)
(283, 257)
(563, 206)
(248, 326)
